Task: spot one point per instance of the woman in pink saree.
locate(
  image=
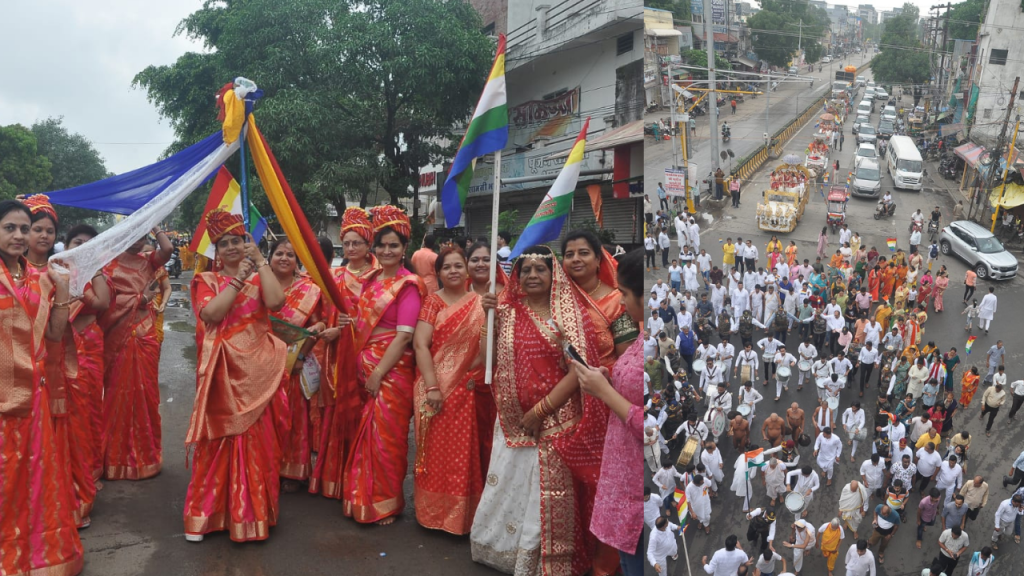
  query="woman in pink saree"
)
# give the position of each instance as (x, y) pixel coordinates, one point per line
(941, 283)
(387, 314)
(534, 514)
(449, 473)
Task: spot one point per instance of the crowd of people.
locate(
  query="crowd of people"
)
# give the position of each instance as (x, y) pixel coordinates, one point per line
(541, 468)
(852, 326)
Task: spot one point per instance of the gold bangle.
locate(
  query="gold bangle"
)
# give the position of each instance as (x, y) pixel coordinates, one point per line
(62, 304)
(550, 407)
(433, 389)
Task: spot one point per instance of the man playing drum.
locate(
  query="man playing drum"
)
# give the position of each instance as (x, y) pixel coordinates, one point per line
(710, 377)
(785, 360)
(726, 352)
(749, 397)
(769, 346)
(806, 485)
(746, 364)
(773, 429)
(719, 404)
(822, 370)
(806, 353)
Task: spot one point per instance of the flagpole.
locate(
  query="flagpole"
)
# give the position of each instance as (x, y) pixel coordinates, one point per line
(686, 553)
(244, 183)
(489, 367)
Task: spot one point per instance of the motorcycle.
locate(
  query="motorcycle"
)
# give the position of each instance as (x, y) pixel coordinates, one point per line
(883, 210)
(173, 266)
(933, 229)
(726, 135)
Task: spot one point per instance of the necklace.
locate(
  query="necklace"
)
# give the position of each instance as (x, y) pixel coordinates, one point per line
(358, 271)
(18, 275)
(544, 313)
(36, 264)
(596, 288)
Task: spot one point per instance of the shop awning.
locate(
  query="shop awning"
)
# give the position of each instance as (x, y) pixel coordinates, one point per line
(722, 37)
(745, 61)
(1013, 197)
(970, 152)
(632, 133)
(663, 32)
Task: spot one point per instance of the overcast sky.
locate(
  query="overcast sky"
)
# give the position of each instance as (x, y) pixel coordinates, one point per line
(77, 58)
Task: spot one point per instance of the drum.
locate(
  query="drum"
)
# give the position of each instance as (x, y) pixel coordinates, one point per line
(832, 402)
(689, 449)
(782, 375)
(804, 365)
(744, 410)
(795, 502)
(821, 382)
(745, 374)
(861, 435)
(768, 356)
(698, 366)
(717, 421)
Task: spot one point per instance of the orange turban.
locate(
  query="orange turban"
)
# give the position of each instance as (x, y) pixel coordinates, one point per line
(388, 216)
(40, 203)
(356, 220)
(220, 223)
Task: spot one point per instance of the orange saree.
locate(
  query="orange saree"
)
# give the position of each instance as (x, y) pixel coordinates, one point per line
(378, 461)
(292, 419)
(450, 464)
(37, 503)
(235, 466)
(132, 437)
(612, 325)
(339, 397)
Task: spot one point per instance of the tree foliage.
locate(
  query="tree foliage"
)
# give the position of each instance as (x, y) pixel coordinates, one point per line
(699, 58)
(680, 9)
(73, 162)
(22, 169)
(902, 59)
(358, 94)
(776, 31)
(964, 20)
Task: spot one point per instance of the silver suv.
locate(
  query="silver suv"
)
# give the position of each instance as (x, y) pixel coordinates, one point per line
(979, 248)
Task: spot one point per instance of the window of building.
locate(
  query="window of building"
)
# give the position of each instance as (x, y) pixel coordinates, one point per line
(998, 57)
(986, 113)
(624, 44)
(489, 29)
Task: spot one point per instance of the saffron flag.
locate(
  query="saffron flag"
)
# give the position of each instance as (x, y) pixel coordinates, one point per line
(226, 195)
(970, 343)
(549, 218)
(487, 133)
(892, 244)
(682, 508)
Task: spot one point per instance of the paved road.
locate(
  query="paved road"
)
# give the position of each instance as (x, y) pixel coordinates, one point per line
(990, 456)
(137, 526)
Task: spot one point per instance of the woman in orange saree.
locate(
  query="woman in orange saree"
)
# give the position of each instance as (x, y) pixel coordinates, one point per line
(235, 481)
(292, 418)
(89, 347)
(888, 282)
(449, 474)
(874, 282)
(387, 313)
(72, 430)
(132, 437)
(968, 386)
(339, 396)
(37, 503)
(534, 514)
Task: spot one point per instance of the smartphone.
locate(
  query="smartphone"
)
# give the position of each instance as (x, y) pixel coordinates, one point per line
(571, 352)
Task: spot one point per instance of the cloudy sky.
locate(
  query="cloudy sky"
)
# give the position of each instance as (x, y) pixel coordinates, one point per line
(77, 58)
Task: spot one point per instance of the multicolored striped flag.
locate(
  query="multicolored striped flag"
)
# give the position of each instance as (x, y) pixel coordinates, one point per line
(970, 343)
(892, 244)
(226, 195)
(487, 133)
(682, 509)
(550, 216)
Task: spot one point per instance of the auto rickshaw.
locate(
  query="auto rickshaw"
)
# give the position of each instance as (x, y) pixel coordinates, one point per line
(836, 207)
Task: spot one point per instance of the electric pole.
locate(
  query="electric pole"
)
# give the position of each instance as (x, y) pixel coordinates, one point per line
(999, 146)
(709, 40)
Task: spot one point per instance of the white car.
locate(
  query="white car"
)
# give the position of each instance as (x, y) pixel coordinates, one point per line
(860, 121)
(889, 113)
(881, 94)
(865, 152)
(793, 71)
(860, 81)
(826, 59)
(871, 84)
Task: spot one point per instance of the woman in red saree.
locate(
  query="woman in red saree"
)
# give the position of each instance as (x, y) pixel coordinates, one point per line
(89, 347)
(339, 396)
(534, 514)
(292, 418)
(131, 358)
(240, 364)
(387, 313)
(68, 402)
(449, 473)
(874, 282)
(37, 503)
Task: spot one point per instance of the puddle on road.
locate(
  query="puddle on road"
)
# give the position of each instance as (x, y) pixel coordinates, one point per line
(179, 327)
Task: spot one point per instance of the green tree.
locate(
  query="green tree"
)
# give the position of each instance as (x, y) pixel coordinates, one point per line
(357, 93)
(680, 9)
(902, 59)
(964, 20)
(73, 162)
(22, 169)
(699, 58)
(781, 26)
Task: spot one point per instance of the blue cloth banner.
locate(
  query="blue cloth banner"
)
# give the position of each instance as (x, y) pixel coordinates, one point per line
(126, 193)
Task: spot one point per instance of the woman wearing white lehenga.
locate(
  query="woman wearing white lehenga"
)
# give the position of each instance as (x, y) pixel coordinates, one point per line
(534, 514)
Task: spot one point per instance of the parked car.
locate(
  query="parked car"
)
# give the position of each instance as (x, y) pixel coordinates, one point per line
(793, 71)
(867, 134)
(862, 119)
(826, 59)
(979, 248)
(886, 129)
(864, 108)
(865, 152)
(881, 94)
(889, 113)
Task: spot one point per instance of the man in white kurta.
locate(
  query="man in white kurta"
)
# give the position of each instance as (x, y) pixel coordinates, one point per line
(806, 485)
(726, 353)
(690, 274)
(827, 448)
(853, 505)
(740, 302)
(853, 424)
(694, 235)
(652, 507)
(711, 457)
(949, 478)
(774, 479)
(987, 310)
(665, 479)
(718, 293)
(662, 544)
(771, 301)
(859, 560)
(757, 303)
(749, 396)
(681, 231)
(699, 500)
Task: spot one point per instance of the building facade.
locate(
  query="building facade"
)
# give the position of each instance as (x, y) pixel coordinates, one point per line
(999, 59)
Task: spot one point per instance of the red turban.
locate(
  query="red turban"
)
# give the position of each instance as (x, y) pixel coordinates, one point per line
(40, 203)
(388, 216)
(356, 220)
(220, 223)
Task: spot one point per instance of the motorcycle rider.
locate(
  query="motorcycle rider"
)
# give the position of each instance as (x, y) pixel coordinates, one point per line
(916, 219)
(886, 203)
(937, 218)
(726, 131)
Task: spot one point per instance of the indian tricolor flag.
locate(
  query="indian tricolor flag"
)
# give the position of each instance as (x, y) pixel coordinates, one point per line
(226, 195)
(487, 133)
(549, 218)
(754, 458)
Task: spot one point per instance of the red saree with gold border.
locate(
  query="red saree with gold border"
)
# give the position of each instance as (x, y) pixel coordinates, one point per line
(379, 457)
(37, 503)
(292, 419)
(132, 436)
(450, 464)
(235, 466)
(339, 397)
